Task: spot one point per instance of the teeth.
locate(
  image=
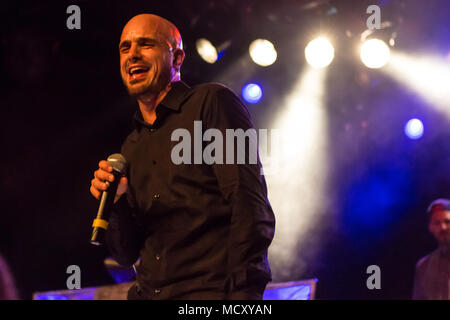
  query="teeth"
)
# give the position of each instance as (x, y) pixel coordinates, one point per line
(133, 70)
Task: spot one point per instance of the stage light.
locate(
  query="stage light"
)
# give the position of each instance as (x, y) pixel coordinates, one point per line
(374, 53)
(414, 129)
(252, 93)
(206, 50)
(319, 52)
(263, 52)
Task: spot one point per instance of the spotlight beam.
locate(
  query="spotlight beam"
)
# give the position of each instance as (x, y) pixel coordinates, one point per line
(426, 75)
(296, 189)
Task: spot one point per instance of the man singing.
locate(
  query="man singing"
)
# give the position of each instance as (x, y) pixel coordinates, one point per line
(201, 231)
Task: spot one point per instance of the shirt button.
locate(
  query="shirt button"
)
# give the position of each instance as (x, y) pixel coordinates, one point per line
(156, 291)
(158, 257)
(156, 196)
(152, 129)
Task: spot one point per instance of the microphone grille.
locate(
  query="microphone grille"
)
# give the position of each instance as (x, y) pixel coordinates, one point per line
(118, 162)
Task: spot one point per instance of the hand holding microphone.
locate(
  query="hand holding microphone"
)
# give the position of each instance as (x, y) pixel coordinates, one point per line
(108, 185)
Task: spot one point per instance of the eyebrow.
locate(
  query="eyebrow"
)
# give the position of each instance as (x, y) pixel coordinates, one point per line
(140, 40)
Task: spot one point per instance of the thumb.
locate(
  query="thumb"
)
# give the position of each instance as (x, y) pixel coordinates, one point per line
(123, 184)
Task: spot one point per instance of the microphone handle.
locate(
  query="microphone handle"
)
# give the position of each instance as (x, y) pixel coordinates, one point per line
(100, 224)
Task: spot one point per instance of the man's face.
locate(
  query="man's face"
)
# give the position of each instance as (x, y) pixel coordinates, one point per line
(145, 58)
(439, 226)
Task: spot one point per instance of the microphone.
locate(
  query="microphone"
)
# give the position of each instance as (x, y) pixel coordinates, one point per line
(100, 224)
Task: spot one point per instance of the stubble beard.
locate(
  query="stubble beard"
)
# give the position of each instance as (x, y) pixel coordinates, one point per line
(442, 239)
(153, 88)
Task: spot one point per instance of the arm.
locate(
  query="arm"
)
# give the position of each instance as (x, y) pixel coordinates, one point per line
(243, 186)
(418, 290)
(123, 236)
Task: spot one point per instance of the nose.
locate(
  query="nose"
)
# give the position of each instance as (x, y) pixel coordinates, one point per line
(135, 53)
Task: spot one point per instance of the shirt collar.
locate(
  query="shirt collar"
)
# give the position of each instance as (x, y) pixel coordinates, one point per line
(173, 101)
(176, 95)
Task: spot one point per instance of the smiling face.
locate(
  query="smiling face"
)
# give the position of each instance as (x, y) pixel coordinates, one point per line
(150, 54)
(439, 226)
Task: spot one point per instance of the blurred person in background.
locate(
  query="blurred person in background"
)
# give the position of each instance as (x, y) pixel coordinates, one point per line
(432, 276)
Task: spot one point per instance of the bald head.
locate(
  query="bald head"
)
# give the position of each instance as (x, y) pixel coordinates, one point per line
(162, 29)
(151, 54)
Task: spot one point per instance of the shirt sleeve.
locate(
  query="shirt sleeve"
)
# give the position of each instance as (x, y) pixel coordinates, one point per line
(123, 234)
(244, 187)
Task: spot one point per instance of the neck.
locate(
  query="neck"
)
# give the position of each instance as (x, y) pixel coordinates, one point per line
(149, 102)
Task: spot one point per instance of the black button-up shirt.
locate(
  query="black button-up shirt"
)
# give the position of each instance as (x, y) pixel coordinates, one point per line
(197, 227)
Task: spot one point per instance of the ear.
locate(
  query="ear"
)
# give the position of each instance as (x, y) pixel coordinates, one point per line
(178, 58)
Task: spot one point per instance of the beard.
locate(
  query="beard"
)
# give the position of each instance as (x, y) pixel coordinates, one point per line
(150, 86)
(443, 239)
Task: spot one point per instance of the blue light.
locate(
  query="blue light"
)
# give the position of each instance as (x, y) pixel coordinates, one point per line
(51, 297)
(252, 93)
(414, 129)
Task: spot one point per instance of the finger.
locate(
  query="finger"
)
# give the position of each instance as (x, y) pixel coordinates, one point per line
(105, 166)
(103, 175)
(99, 185)
(123, 185)
(95, 192)
(123, 180)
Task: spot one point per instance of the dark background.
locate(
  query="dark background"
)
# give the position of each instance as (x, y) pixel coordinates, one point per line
(64, 108)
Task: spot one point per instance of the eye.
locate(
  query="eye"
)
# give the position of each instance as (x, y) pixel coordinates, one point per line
(148, 45)
(124, 49)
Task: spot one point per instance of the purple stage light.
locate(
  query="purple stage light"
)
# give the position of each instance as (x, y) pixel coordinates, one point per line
(414, 129)
(252, 93)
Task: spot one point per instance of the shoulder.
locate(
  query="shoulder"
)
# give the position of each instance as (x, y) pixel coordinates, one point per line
(214, 98)
(424, 261)
(211, 87)
(213, 92)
